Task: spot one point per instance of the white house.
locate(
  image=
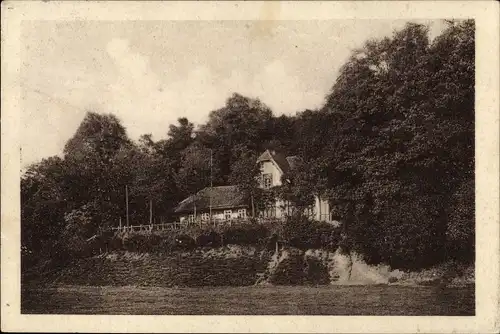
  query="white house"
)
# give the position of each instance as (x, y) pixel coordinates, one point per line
(228, 202)
(225, 202)
(273, 165)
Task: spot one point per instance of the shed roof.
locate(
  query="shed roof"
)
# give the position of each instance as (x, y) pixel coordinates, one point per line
(223, 197)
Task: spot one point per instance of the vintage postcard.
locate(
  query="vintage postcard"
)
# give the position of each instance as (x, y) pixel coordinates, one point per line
(250, 166)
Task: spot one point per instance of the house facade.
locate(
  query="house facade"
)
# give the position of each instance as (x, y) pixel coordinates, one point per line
(228, 202)
(224, 202)
(273, 166)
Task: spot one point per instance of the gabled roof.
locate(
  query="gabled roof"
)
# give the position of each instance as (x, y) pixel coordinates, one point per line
(286, 164)
(223, 197)
(292, 160)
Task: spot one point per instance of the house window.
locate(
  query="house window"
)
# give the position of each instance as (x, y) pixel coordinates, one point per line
(270, 212)
(242, 213)
(309, 211)
(227, 214)
(205, 216)
(267, 180)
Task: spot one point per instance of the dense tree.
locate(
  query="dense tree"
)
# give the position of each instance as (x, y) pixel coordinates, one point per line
(197, 167)
(401, 137)
(43, 205)
(97, 156)
(152, 186)
(295, 187)
(392, 149)
(244, 173)
(179, 138)
(241, 122)
(282, 132)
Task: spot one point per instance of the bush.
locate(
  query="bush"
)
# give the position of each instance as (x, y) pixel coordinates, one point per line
(316, 272)
(153, 241)
(248, 234)
(272, 241)
(167, 243)
(302, 233)
(290, 271)
(185, 242)
(406, 234)
(210, 239)
(116, 242)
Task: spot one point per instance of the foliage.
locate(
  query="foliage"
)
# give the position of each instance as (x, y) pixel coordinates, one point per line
(392, 149)
(290, 271)
(404, 127)
(209, 239)
(302, 233)
(242, 122)
(460, 232)
(244, 173)
(80, 226)
(249, 234)
(195, 171)
(315, 271)
(43, 207)
(297, 186)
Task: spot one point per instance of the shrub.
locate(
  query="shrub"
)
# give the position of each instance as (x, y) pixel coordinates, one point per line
(406, 234)
(303, 233)
(116, 242)
(167, 243)
(290, 271)
(185, 242)
(248, 234)
(79, 226)
(210, 239)
(152, 242)
(315, 271)
(135, 242)
(272, 241)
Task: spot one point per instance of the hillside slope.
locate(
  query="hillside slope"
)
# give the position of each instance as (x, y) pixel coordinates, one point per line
(242, 266)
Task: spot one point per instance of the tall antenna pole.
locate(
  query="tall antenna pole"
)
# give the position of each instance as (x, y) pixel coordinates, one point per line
(194, 213)
(150, 212)
(210, 207)
(126, 199)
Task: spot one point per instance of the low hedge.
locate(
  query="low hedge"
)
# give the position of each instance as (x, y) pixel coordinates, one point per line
(251, 234)
(298, 232)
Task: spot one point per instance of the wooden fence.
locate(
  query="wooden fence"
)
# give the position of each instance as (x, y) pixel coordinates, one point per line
(176, 226)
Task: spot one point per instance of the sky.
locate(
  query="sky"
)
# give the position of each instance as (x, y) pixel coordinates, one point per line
(151, 73)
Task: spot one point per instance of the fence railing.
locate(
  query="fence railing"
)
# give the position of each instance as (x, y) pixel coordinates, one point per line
(175, 226)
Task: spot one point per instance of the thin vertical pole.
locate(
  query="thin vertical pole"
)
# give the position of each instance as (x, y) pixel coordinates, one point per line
(126, 199)
(194, 213)
(210, 207)
(120, 229)
(150, 212)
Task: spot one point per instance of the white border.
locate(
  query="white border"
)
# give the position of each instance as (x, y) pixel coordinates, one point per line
(486, 13)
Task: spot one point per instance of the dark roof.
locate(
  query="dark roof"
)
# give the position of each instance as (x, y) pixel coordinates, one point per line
(284, 163)
(223, 197)
(292, 161)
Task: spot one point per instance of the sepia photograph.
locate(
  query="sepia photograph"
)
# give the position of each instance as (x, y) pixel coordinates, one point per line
(256, 167)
